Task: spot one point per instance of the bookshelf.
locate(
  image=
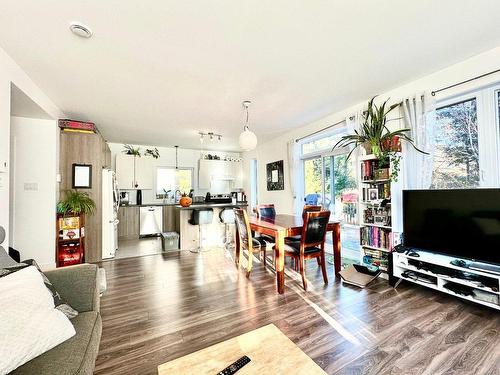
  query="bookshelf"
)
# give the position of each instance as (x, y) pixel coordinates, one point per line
(375, 215)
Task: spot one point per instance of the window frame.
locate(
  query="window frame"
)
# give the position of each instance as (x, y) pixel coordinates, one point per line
(488, 123)
(191, 169)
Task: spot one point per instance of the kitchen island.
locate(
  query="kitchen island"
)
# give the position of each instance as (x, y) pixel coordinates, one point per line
(176, 219)
(212, 234)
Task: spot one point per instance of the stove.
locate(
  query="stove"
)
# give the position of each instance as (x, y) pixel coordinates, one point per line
(218, 198)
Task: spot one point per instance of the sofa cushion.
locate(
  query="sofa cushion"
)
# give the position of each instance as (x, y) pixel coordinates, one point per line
(59, 302)
(29, 323)
(75, 356)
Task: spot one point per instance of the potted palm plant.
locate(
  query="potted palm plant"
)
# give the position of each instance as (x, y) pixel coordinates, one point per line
(76, 203)
(376, 138)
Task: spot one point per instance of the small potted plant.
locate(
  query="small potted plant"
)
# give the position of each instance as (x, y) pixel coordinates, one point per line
(131, 150)
(153, 152)
(76, 203)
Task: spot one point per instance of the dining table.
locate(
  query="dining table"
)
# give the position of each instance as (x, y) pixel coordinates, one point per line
(285, 225)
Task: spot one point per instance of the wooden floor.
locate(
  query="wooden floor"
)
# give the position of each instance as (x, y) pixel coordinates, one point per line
(161, 307)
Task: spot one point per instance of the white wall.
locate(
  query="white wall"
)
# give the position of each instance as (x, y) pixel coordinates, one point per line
(275, 149)
(33, 188)
(187, 158)
(10, 73)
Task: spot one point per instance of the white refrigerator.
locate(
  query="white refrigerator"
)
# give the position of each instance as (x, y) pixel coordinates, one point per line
(110, 205)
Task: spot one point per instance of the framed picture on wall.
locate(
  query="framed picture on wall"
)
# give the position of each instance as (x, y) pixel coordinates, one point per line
(275, 176)
(82, 176)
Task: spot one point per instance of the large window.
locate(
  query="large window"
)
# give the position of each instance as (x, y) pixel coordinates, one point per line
(456, 157)
(467, 136)
(169, 178)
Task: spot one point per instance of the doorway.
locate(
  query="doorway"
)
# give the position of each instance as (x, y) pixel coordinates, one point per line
(330, 180)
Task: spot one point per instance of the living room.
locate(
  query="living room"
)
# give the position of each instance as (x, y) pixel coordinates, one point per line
(168, 171)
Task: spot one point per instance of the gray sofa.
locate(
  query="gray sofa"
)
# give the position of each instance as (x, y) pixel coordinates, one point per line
(76, 356)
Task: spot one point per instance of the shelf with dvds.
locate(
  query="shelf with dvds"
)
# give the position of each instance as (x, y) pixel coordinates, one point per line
(375, 211)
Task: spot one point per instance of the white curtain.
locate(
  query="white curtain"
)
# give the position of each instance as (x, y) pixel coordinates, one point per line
(294, 168)
(353, 121)
(419, 114)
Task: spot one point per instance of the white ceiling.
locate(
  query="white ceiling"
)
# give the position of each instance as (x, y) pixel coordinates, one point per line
(158, 71)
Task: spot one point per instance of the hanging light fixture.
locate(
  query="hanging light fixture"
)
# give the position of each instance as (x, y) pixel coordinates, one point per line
(248, 139)
(176, 157)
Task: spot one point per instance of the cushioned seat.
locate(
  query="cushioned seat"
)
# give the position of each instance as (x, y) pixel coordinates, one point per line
(261, 242)
(75, 356)
(294, 247)
(293, 238)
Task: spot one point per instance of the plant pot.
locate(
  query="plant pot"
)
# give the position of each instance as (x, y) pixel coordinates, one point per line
(376, 151)
(392, 144)
(368, 147)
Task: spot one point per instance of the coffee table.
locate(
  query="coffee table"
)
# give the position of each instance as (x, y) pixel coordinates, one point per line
(270, 351)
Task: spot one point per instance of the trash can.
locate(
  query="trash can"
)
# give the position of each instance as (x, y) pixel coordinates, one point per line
(170, 241)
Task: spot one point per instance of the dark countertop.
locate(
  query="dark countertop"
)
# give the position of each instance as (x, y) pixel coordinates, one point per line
(194, 205)
(211, 205)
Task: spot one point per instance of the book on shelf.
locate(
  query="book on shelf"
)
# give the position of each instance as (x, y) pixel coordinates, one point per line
(376, 237)
(373, 170)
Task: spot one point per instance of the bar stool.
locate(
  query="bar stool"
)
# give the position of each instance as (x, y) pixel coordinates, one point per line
(200, 217)
(227, 217)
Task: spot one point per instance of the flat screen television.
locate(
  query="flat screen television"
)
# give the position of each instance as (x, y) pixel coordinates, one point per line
(463, 222)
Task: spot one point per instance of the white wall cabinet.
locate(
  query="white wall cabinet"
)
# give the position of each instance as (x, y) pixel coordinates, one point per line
(143, 173)
(211, 170)
(133, 172)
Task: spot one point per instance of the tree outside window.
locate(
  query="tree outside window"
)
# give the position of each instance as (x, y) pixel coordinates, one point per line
(456, 158)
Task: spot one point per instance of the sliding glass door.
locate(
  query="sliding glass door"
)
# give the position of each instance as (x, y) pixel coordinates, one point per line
(330, 181)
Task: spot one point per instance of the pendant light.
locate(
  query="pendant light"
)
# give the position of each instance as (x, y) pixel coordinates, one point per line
(248, 139)
(176, 157)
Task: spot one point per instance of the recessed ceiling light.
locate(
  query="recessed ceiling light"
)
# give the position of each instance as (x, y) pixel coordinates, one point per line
(80, 30)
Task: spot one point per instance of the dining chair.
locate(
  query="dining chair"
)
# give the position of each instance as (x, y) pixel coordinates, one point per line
(247, 242)
(305, 209)
(266, 211)
(311, 244)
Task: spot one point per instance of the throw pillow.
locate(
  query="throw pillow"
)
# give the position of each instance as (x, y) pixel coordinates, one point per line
(59, 302)
(30, 325)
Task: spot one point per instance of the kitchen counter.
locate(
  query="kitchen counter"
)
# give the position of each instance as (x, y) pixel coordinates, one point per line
(194, 205)
(210, 205)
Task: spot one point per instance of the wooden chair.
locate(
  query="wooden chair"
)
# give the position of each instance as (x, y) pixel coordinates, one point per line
(247, 242)
(266, 211)
(312, 243)
(307, 208)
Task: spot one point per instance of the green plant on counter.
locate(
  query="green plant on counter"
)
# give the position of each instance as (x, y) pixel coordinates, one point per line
(152, 152)
(131, 150)
(76, 202)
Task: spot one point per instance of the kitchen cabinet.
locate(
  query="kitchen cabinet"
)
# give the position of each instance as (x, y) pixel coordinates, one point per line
(143, 173)
(128, 227)
(210, 170)
(169, 218)
(134, 172)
